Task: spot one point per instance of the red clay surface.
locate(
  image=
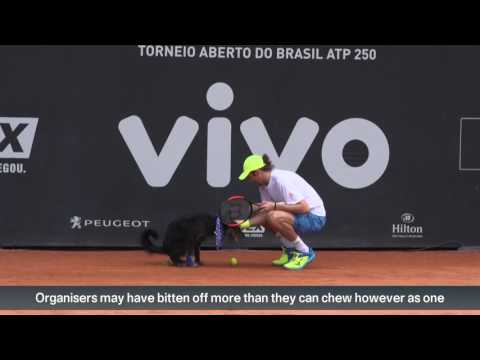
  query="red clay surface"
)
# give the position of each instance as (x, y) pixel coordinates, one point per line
(136, 268)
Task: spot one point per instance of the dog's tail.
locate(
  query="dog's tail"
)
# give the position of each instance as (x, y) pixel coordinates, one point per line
(148, 240)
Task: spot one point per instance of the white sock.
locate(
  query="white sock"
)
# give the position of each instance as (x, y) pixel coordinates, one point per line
(286, 244)
(300, 245)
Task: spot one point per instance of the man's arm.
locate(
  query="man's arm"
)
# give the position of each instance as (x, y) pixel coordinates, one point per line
(301, 207)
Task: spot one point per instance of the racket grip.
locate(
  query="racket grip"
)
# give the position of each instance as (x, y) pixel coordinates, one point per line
(190, 261)
(218, 234)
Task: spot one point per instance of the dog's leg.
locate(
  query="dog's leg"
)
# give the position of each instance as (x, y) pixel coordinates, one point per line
(176, 260)
(191, 253)
(197, 255)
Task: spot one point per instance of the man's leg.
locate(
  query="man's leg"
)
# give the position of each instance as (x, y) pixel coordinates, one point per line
(259, 219)
(264, 219)
(280, 222)
(283, 222)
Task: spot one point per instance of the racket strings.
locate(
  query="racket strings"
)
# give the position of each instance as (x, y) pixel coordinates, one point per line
(232, 211)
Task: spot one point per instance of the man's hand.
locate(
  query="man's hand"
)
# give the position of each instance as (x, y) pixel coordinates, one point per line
(265, 206)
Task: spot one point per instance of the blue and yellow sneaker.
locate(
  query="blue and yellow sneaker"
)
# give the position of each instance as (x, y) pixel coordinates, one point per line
(300, 260)
(287, 254)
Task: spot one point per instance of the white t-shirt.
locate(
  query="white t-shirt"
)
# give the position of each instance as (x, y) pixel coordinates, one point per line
(289, 187)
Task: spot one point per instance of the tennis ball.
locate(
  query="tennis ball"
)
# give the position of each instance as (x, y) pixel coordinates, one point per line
(233, 261)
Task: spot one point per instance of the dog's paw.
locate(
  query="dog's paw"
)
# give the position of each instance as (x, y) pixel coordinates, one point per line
(178, 263)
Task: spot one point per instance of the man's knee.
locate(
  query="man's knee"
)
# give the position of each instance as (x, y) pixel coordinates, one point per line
(274, 218)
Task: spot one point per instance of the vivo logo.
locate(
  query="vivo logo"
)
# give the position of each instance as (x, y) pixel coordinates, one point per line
(158, 169)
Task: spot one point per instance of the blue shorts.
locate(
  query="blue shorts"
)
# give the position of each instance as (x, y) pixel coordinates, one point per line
(309, 223)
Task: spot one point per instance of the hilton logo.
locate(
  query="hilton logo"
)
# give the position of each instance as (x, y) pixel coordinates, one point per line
(407, 218)
(406, 230)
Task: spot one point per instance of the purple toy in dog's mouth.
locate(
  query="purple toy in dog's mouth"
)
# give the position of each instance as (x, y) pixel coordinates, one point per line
(218, 233)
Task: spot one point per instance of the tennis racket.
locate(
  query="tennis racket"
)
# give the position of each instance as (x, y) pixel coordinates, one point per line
(235, 210)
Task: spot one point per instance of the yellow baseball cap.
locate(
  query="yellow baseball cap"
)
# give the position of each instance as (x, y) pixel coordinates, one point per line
(251, 163)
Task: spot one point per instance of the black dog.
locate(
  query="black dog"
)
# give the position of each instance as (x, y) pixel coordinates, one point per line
(183, 237)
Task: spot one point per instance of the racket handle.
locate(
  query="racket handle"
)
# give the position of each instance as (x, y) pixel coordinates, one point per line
(190, 261)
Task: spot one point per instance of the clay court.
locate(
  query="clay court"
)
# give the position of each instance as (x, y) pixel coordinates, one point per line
(331, 268)
(347, 149)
